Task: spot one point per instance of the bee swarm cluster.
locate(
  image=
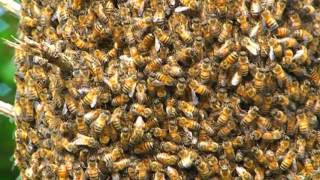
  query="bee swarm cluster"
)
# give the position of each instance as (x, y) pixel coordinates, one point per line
(168, 89)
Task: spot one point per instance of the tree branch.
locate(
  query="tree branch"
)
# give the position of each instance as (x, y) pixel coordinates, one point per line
(11, 6)
(7, 110)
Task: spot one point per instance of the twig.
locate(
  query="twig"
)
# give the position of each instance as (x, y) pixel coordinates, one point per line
(11, 6)
(7, 110)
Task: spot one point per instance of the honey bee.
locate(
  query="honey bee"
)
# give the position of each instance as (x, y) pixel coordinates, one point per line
(187, 158)
(100, 122)
(187, 108)
(263, 122)
(28, 21)
(244, 24)
(279, 9)
(309, 9)
(208, 146)
(288, 160)
(224, 116)
(170, 147)
(303, 123)
(250, 116)
(91, 98)
(181, 87)
(146, 42)
(255, 8)
(71, 104)
(164, 79)
(138, 131)
(184, 34)
(228, 150)
(304, 35)
(280, 74)
(78, 172)
(188, 123)
(269, 20)
(229, 60)
(173, 174)
(80, 43)
(279, 116)
(259, 155)
(121, 164)
(124, 137)
(99, 11)
(163, 36)
(226, 32)
(159, 133)
(301, 147)
(225, 172)
(251, 46)
(272, 135)
(199, 88)
(272, 161)
(143, 147)
(129, 85)
(167, 159)
(243, 173)
(227, 129)
(120, 100)
(82, 127)
(141, 110)
(294, 20)
(203, 168)
(112, 156)
(283, 32)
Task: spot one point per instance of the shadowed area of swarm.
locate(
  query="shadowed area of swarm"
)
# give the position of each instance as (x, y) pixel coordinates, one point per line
(168, 89)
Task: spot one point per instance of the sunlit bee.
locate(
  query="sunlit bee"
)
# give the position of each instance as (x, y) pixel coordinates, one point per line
(215, 27)
(141, 110)
(199, 88)
(272, 135)
(146, 43)
(244, 24)
(120, 100)
(295, 20)
(259, 155)
(279, 9)
(208, 146)
(279, 116)
(303, 123)
(227, 129)
(309, 9)
(173, 174)
(121, 164)
(167, 159)
(153, 65)
(229, 60)
(91, 98)
(129, 85)
(272, 161)
(138, 132)
(263, 122)
(250, 116)
(164, 78)
(187, 108)
(228, 150)
(71, 104)
(184, 34)
(225, 32)
(28, 21)
(255, 8)
(288, 160)
(280, 73)
(203, 168)
(82, 127)
(225, 172)
(283, 32)
(143, 147)
(188, 123)
(100, 122)
(269, 20)
(303, 35)
(224, 116)
(170, 147)
(78, 173)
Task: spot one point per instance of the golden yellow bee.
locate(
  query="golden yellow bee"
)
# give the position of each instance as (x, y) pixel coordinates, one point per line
(279, 9)
(303, 35)
(250, 116)
(269, 20)
(100, 122)
(173, 174)
(203, 168)
(272, 135)
(91, 98)
(170, 147)
(167, 159)
(224, 116)
(283, 32)
(226, 31)
(263, 122)
(279, 116)
(229, 60)
(71, 104)
(143, 147)
(146, 43)
(303, 123)
(208, 146)
(141, 110)
(244, 24)
(280, 73)
(188, 123)
(288, 160)
(225, 172)
(294, 20)
(227, 129)
(78, 172)
(187, 108)
(228, 150)
(199, 88)
(120, 100)
(259, 155)
(82, 127)
(138, 131)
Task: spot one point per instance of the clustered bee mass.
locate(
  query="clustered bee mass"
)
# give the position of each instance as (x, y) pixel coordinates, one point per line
(168, 89)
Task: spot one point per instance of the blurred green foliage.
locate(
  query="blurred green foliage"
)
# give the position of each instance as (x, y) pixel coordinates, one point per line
(8, 27)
